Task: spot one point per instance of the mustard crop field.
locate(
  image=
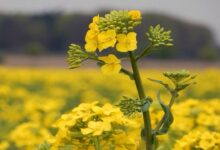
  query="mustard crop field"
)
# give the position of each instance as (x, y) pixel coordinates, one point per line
(31, 100)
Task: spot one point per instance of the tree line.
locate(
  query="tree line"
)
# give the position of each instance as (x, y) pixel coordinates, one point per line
(52, 33)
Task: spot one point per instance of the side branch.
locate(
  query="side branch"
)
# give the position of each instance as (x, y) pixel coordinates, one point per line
(145, 52)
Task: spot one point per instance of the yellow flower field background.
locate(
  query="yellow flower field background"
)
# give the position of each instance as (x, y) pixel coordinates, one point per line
(31, 100)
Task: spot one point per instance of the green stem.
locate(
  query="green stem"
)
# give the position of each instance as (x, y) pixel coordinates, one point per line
(96, 143)
(145, 52)
(174, 95)
(128, 73)
(141, 93)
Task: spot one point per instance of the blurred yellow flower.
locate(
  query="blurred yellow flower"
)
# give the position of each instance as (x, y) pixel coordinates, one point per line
(199, 140)
(112, 64)
(29, 134)
(96, 128)
(126, 42)
(4, 145)
(106, 39)
(135, 14)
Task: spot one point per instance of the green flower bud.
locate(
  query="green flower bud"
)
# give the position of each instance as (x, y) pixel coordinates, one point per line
(177, 76)
(158, 37)
(131, 106)
(75, 56)
(119, 20)
(181, 79)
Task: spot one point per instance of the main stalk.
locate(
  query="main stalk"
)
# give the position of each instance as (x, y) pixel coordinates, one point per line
(141, 93)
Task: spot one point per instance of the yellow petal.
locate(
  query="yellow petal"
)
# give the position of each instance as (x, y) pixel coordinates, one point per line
(107, 69)
(97, 109)
(111, 33)
(121, 38)
(135, 14)
(116, 68)
(98, 132)
(132, 46)
(94, 27)
(105, 59)
(121, 47)
(111, 68)
(107, 126)
(86, 131)
(96, 19)
(110, 59)
(91, 35)
(132, 36)
(91, 47)
(114, 59)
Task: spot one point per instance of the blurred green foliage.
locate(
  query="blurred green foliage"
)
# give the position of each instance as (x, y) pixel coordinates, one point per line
(34, 48)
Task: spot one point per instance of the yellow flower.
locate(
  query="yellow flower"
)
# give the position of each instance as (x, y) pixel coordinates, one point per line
(66, 120)
(102, 40)
(29, 134)
(94, 24)
(106, 39)
(84, 110)
(95, 19)
(4, 145)
(108, 109)
(59, 138)
(112, 64)
(92, 35)
(91, 40)
(135, 14)
(96, 128)
(127, 42)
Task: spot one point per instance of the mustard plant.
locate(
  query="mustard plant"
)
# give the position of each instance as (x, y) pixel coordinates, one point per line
(95, 124)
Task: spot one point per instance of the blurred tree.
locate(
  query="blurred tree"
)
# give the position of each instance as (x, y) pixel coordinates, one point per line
(55, 31)
(1, 57)
(208, 53)
(34, 48)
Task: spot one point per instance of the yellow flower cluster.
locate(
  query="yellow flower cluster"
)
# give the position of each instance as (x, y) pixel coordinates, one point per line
(199, 141)
(112, 36)
(96, 39)
(35, 98)
(28, 135)
(4, 145)
(89, 121)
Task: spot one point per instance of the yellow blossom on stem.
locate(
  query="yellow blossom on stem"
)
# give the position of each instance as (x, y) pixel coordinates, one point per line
(94, 24)
(96, 128)
(126, 42)
(135, 14)
(112, 64)
(84, 110)
(66, 120)
(106, 39)
(92, 35)
(91, 40)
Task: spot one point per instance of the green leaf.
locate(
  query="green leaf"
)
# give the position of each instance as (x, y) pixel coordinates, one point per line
(182, 86)
(167, 118)
(162, 83)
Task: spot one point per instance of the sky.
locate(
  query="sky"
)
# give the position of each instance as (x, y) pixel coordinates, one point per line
(205, 12)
